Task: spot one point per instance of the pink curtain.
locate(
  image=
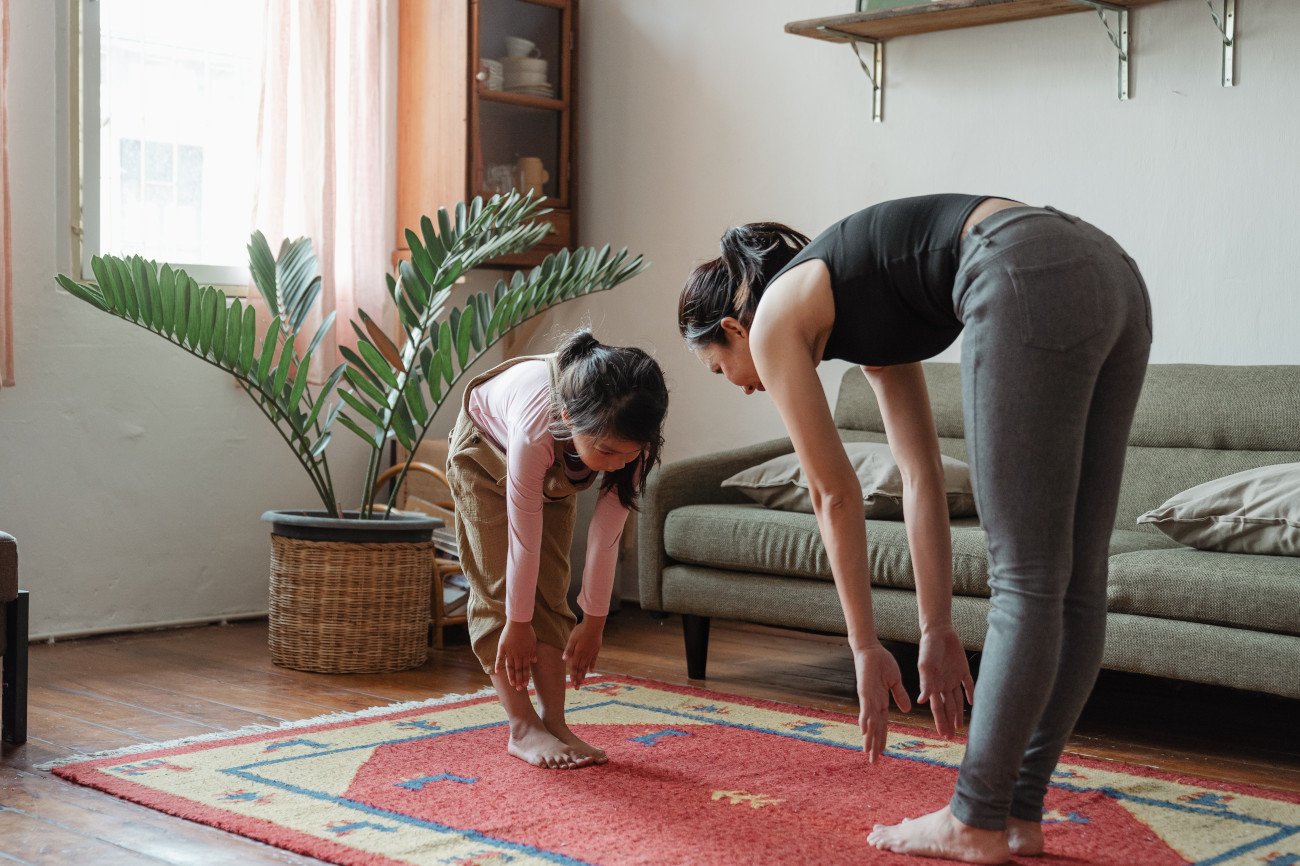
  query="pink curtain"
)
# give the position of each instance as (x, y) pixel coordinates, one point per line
(322, 151)
(6, 269)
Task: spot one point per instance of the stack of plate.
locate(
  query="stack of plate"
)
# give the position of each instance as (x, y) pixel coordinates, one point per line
(537, 90)
(526, 75)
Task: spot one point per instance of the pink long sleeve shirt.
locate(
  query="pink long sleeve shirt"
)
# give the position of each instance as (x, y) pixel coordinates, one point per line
(514, 410)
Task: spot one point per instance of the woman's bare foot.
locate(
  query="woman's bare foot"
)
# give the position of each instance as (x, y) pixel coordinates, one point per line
(561, 732)
(939, 834)
(541, 748)
(1025, 837)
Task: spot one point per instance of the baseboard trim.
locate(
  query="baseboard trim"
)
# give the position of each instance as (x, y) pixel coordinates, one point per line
(54, 637)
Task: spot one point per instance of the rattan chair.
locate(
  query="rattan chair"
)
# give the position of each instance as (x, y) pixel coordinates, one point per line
(441, 566)
(13, 644)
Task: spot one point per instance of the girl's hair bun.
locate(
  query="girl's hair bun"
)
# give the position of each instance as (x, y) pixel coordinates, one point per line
(576, 346)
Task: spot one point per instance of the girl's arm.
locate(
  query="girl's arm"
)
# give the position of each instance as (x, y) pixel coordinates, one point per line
(795, 313)
(909, 426)
(530, 450)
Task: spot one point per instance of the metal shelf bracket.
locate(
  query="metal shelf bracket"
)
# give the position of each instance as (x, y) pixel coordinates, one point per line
(1118, 37)
(1226, 24)
(875, 72)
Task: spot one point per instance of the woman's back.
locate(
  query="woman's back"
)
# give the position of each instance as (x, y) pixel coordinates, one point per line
(892, 268)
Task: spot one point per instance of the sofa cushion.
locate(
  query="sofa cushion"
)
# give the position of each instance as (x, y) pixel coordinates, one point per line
(756, 539)
(1256, 511)
(780, 482)
(1230, 589)
(1128, 541)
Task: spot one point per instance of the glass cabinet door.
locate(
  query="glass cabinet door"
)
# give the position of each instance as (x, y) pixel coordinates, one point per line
(520, 102)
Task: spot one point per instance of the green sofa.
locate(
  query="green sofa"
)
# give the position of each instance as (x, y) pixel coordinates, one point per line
(1222, 618)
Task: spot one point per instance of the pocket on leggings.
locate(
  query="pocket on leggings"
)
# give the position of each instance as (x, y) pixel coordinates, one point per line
(1058, 301)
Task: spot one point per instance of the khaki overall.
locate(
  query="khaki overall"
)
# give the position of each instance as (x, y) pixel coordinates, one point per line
(476, 472)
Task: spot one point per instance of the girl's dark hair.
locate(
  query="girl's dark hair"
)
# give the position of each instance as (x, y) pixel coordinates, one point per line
(732, 284)
(612, 391)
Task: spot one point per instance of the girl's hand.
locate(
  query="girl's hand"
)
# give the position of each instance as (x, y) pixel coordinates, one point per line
(583, 647)
(878, 678)
(945, 675)
(516, 653)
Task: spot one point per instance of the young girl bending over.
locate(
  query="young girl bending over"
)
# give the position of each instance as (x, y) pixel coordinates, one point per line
(532, 433)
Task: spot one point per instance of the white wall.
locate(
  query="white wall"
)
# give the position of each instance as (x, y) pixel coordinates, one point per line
(696, 116)
(132, 474)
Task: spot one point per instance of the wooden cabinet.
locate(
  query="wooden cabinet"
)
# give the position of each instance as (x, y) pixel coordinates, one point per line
(485, 104)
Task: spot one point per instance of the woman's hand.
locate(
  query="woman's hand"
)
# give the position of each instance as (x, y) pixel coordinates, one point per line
(945, 675)
(583, 648)
(878, 678)
(516, 653)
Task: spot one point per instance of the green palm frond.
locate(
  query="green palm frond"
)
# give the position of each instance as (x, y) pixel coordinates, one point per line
(197, 319)
(289, 282)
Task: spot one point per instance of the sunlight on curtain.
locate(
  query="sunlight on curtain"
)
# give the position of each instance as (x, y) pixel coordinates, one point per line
(6, 269)
(322, 151)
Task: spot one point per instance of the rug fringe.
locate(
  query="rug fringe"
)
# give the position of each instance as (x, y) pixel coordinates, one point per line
(326, 719)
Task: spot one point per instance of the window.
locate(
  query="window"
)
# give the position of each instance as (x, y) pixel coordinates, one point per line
(168, 131)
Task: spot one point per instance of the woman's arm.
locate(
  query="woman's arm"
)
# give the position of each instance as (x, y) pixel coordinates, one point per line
(909, 426)
(783, 340)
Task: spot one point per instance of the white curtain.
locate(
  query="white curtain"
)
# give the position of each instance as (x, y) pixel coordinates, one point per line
(323, 154)
(6, 267)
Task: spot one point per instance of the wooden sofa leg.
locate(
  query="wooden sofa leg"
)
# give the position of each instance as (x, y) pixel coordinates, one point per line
(13, 715)
(696, 630)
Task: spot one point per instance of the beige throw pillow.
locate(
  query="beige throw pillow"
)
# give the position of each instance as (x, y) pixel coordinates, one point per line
(1256, 511)
(779, 483)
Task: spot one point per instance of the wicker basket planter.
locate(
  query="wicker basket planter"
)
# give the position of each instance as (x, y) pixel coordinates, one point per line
(348, 595)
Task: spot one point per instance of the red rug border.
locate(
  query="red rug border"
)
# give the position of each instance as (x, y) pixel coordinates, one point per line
(287, 839)
(88, 773)
(273, 733)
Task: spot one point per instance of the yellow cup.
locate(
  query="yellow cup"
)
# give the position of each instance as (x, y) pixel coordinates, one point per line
(532, 176)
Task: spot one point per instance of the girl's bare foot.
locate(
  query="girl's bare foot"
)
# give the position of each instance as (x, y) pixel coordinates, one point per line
(1025, 837)
(939, 834)
(541, 748)
(561, 732)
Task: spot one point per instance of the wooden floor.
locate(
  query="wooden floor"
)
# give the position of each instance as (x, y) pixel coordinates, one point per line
(110, 692)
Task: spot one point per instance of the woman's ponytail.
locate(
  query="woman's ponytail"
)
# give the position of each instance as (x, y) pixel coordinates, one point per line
(732, 284)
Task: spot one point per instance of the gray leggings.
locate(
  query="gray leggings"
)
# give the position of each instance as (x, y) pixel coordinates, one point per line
(1057, 333)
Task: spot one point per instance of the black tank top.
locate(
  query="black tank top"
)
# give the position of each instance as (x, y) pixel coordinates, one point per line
(892, 270)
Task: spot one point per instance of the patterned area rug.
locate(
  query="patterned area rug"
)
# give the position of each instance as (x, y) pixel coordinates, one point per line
(694, 777)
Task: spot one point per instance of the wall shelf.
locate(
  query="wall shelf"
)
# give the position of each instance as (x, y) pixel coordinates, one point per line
(875, 28)
(938, 15)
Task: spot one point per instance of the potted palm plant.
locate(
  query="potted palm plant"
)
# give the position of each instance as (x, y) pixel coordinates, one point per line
(350, 586)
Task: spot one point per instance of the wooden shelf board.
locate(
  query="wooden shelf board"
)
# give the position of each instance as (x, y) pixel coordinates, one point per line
(521, 99)
(940, 15)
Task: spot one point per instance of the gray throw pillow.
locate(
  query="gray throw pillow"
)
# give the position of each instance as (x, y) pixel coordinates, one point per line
(1256, 511)
(779, 483)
